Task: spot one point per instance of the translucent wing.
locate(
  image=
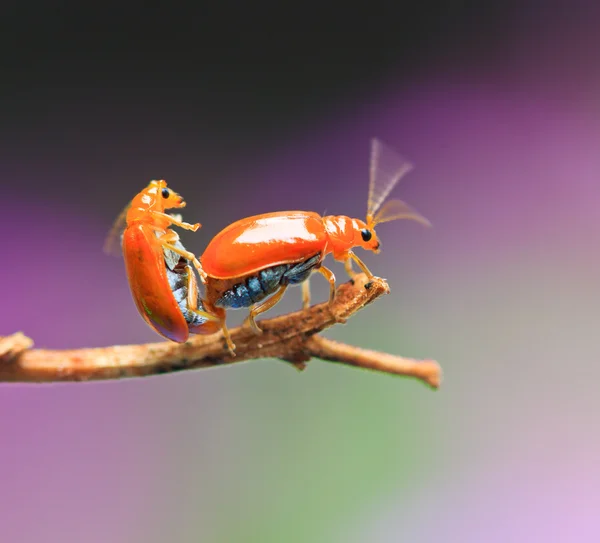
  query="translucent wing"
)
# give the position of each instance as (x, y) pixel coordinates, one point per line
(112, 245)
(397, 209)
(387, 168)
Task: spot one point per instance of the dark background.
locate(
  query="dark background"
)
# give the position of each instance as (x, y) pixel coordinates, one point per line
(88, 96)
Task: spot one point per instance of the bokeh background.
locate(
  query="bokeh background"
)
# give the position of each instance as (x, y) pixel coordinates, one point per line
(252, 107)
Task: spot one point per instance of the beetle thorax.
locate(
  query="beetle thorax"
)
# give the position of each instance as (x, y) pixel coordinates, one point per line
(341, 231)
(144, 202)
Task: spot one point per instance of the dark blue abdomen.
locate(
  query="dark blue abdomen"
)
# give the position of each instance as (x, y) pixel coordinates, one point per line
(266, 282)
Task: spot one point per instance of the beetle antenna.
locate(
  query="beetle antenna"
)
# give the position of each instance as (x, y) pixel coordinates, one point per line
(386, 169)
(397, 209)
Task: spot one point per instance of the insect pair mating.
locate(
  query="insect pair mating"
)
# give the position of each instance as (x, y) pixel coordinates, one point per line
(249, 264)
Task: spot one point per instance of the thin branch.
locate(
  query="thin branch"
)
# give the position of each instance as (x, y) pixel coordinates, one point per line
(290, 337)
(334, 351)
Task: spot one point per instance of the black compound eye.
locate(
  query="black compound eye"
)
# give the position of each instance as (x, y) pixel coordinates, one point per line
(366, 234)
(166, 193)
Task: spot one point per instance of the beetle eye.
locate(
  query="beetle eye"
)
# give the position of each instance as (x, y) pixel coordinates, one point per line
(366, 234)
(165, 193)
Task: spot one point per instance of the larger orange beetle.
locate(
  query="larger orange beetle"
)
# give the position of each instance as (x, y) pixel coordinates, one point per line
(252, 262)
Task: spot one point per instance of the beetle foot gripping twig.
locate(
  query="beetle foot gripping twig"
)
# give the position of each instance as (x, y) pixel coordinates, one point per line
(292, 337)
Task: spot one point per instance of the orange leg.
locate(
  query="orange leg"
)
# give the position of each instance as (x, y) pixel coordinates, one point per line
(362, 266)
(264, 306)
(329, 275)
(192, 304)
(305, 295)
(348, 267)
(185, 254)
(175, 220)
(192, 298)
(192, 290)
(228, 340)
(167, 240)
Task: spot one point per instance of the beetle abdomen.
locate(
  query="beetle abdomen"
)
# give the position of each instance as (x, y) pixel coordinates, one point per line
(257, 287)
(254, 289)
(177, 275)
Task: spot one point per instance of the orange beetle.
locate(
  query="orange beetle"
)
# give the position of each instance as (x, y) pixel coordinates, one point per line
(253, 261)
(162, 281)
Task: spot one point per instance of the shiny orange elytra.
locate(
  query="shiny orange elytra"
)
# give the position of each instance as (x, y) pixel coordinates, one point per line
(253, 261)
(161, 279)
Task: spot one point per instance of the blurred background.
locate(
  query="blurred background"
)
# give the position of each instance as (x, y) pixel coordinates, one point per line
(254, 107)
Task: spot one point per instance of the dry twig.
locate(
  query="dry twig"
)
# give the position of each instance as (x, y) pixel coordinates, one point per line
(291, 337)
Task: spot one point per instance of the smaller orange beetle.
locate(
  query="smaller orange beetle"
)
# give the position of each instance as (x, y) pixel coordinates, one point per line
(257, 258)
(161, 279)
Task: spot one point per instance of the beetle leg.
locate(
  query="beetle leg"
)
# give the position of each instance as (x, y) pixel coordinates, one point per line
(305, 295)
(192, 297)
(228, 340)
(167, 239)
(192, 304)
(264, 306)
(329, 275)
(188, 255)
(192, 290)
(349, 270)
(167, 236)
(360, 263)
(185, 254)
(175, 220)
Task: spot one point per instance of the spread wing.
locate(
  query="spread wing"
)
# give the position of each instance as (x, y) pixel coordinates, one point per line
(112, 244)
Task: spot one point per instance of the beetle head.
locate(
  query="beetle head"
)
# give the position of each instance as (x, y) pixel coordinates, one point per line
(365, 236)
(163, 196)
